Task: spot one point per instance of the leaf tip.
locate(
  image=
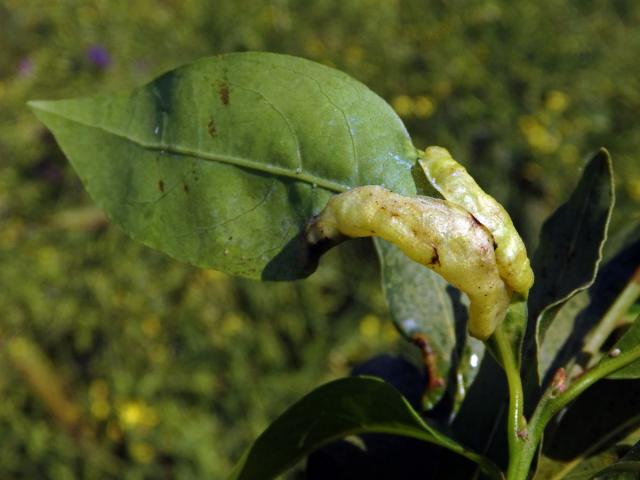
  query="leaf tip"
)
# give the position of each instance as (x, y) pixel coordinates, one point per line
(37, 104)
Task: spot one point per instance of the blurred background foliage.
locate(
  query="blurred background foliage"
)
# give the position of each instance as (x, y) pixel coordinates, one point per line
(116, 361)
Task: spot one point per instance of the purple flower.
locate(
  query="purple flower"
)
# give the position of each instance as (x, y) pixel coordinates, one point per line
(25, 67)
(99, 56)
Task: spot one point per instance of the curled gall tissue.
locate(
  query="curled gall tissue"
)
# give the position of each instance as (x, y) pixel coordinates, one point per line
(468, 237)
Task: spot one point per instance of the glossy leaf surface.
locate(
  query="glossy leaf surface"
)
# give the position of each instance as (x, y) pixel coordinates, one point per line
(220, 163)
(344, 407)
(571, 243)
(571, 240)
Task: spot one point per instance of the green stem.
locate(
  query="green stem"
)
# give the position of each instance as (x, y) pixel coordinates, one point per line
(516, 424)
(611, 318)
(552, 402)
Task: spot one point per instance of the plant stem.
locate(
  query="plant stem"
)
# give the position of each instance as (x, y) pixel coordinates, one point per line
(552, 402)
(516, 424)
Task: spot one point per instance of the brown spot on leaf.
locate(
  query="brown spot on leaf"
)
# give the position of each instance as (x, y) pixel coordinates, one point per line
(435, 258)
(430, 361)
(185, 188)
(161, 185)
(211, 128)
(223, 92)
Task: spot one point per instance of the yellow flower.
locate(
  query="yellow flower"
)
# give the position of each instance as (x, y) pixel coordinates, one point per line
(556, 101)
(403, 105)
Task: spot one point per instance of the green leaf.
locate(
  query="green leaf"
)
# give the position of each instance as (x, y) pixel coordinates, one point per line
(575, 317)
(571, 451)
(220, 163)
(551, 351)
(344, 407)
(578, 469)
(424, 306)
(628, 468)
(484, 412)
(630, 340)
(571, 243)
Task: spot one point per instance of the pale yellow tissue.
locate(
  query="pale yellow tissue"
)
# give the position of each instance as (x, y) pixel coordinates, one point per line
(435, 233)
(456, 185)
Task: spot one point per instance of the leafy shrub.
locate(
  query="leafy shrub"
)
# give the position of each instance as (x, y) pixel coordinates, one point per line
(222, 163)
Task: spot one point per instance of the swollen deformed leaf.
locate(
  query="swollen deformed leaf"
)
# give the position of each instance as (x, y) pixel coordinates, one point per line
(432, 232)
(457, 186)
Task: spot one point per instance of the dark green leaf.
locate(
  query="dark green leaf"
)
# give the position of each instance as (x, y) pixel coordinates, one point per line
(595, 430)
(424, 306)
(559, 332)
(574, 318)
(571, 240)
(571, 243)
(631, 339)
(626, 469)
(344, 407)
(481, 420)
(220, 163)
(578, 469)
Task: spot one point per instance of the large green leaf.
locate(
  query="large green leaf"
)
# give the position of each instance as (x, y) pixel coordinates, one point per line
(220, 163)
(571, 243)
(575, 317)
(338, 409)
(424, 306)
(571, 240)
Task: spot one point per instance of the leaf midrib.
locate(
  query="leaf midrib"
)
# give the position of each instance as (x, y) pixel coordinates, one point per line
(210, 157)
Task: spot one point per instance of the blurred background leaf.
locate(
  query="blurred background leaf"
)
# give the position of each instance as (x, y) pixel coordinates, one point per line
(164, 360)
